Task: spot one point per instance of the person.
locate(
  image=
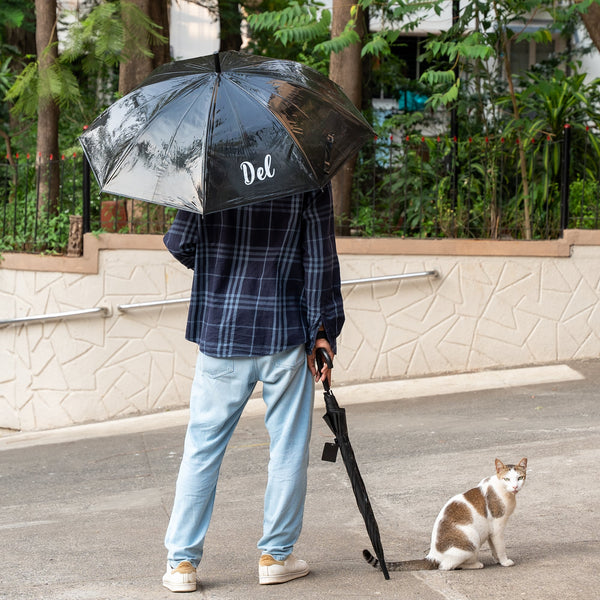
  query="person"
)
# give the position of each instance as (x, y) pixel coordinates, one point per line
(265, 295)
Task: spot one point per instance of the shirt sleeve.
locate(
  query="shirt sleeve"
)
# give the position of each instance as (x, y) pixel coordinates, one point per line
(322, 284)
(182, 237)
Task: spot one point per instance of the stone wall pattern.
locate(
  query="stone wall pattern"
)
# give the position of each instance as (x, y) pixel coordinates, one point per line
(481, 312)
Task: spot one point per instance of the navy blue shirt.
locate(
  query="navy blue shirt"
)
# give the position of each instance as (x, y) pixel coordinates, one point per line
(266, 276)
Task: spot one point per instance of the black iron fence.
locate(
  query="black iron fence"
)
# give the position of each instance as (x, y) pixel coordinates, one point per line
(417, 186)
(36, 216)
(29, 223)
(480, 187)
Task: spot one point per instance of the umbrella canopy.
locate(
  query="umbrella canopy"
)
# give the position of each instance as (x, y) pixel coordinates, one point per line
(335, 417)
(224, 130)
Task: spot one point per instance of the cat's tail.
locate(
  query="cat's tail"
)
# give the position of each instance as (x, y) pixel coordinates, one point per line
(423, 564)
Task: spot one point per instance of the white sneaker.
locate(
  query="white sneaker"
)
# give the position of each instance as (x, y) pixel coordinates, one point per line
(182, 578)
(280, 571)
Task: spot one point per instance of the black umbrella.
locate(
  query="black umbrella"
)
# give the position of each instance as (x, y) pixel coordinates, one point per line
(335, 417)
(219, 131)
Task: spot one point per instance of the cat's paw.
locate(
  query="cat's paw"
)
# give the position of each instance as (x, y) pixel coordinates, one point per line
(507, 563)
(472, 565)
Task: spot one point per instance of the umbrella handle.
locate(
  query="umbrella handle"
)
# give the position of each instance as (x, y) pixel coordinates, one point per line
(321, 358)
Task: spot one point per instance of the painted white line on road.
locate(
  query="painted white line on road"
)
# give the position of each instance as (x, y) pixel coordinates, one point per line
(382, 391)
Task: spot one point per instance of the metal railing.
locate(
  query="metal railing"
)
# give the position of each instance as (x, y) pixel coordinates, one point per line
(101, 311)
(105, 311)
(414, 186)
(433, 273)
(423, 186)
(128, 307)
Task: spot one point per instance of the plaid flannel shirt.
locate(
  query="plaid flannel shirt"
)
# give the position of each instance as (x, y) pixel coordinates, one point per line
(266, 276)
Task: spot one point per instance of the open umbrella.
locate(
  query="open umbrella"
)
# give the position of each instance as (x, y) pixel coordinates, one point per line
(335, 417)
(224, 130)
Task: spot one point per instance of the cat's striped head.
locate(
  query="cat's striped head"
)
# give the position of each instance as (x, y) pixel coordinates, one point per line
(513, 476)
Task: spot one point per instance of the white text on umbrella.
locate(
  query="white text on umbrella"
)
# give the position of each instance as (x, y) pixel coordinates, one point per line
(261, 173)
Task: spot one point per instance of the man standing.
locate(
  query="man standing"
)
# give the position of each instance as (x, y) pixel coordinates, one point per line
(265, 295)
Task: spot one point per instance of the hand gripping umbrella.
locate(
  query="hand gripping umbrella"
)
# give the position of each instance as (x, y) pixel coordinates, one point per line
(335, 417)
(224, 130)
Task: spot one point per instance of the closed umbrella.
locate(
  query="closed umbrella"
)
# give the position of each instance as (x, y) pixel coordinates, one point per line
(335, 417)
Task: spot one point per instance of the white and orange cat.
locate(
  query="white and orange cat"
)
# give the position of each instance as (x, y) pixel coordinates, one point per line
(469, 520)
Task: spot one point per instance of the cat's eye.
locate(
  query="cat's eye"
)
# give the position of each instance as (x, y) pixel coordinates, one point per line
(521, 477)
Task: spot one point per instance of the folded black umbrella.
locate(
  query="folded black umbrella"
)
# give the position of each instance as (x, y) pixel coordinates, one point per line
(335, 417)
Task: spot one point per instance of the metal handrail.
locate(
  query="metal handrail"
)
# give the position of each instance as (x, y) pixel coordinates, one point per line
(434, 273)
(106, 311)
(103, 311)
(126, 307)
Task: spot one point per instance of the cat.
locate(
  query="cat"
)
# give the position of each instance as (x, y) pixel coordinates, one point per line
(469, 520)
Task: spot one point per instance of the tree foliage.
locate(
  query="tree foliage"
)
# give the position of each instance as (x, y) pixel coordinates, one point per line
(294, 24)
(302, 22)
(94, 46)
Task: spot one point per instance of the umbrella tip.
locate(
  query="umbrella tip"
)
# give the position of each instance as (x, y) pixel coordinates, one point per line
(217, 62)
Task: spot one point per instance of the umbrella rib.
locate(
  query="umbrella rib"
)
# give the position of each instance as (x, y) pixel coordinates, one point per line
(210, 130)
(290, 133)
(122, 156)
(324, 89)
(174, 135)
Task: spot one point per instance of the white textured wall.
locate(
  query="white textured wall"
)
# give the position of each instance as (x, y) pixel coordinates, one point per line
(482, 312)
(93, 368)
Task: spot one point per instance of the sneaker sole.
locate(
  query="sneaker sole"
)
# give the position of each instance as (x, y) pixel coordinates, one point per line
(180, 587)
(270, 579)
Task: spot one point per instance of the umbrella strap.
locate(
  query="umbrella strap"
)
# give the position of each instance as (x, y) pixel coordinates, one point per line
(330, 452)
(330, 401)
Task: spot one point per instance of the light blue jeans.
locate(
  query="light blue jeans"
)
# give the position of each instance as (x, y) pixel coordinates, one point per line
(220, 391)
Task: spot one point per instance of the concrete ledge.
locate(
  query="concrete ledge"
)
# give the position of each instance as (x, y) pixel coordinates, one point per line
(86, 264)
(560, 248)
(93, 244)
(453, 247)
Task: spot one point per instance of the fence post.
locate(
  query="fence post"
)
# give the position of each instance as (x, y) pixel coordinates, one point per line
(85, 188)
(565, 180)
(454, 121)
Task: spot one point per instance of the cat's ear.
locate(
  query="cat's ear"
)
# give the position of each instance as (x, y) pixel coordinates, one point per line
(499, 465)
(523, 464)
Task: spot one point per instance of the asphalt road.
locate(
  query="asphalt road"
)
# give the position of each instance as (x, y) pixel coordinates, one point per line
(85, 518)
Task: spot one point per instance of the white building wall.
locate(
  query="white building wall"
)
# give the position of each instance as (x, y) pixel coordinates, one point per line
(194, 31)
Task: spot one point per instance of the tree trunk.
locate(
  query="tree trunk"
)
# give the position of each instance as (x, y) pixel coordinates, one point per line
(23, 39)
(230, 20)
(131, 73)
(159, 13)
(345, 69)
(591, 20)
(47, 133)
(137, 67)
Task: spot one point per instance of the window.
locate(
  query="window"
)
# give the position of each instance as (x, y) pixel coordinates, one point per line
(526, 53)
